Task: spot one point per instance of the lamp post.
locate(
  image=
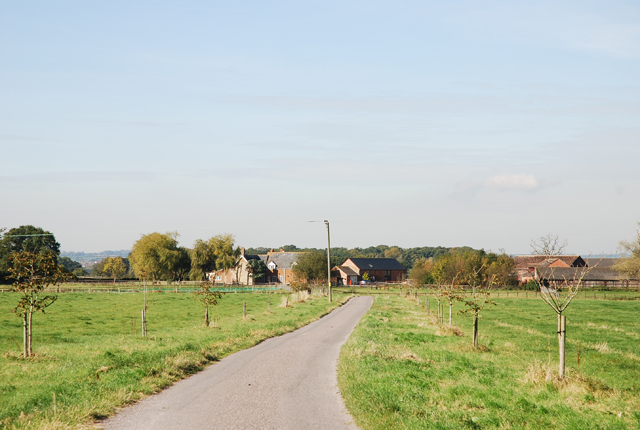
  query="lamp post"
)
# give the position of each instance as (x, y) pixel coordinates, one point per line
(328, 259)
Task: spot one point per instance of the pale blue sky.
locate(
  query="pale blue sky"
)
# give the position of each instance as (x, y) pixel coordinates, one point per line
(410, 123)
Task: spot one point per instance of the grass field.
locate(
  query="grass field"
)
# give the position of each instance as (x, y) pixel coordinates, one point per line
(90, 357)
(401, 370)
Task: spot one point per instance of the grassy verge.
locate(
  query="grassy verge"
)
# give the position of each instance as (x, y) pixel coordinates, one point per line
(90, 357)
(401, 370)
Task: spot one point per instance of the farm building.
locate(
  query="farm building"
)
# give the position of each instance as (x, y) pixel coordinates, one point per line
(351, 272)
(526, 265)
(594, 272)
(279, 269)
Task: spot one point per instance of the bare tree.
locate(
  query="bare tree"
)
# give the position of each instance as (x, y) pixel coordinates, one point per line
(549, 244)
(558, 287)
(481, 285)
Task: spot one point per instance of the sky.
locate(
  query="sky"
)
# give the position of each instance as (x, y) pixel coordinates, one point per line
(409, 123)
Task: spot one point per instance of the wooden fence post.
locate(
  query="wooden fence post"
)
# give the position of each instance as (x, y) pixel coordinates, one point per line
(244, 310)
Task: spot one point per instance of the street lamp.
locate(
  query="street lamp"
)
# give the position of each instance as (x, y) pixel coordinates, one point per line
(328, 259)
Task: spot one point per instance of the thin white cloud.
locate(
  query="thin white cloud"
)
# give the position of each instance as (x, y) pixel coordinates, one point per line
(513, 182)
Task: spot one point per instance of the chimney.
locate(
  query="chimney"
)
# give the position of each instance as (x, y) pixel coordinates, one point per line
(242, 251)
(271, 250)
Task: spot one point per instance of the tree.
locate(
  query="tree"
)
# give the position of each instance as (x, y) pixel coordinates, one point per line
(69, 264)
(208, 297)
(115, 267)
(226, 256)
(218, 253)
(311, 266)
(448, 274)
(420, 273)
(548, 245)
(257, 269)
(33, 272)
(182, 268)
(24, 238)
(502, 268)
(630, 266)
(558, 291)
(157, 255)
(481, 283)
(202, 260)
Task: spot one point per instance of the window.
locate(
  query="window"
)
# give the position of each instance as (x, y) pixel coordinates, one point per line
(280, 279)
(218, 278)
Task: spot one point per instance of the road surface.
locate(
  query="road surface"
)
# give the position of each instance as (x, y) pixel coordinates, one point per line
(287, 382)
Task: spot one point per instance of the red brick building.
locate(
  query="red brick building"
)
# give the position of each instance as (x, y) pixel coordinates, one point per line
(351, 272)
(526, 265)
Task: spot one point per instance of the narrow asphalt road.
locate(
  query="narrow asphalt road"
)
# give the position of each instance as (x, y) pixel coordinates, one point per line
(287, 382)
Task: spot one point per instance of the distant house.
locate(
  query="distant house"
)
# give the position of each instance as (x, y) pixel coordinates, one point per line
(279, 269)
(526, 265)
(238, 274)
(280, 266)
(351, 272)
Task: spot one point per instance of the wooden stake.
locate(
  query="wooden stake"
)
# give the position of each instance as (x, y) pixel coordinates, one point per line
(562, 329)
(244, 310)
(475, 331)
(144, 323)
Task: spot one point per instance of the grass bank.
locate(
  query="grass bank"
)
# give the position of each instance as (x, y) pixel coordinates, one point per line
(90, 358)
(400, 369)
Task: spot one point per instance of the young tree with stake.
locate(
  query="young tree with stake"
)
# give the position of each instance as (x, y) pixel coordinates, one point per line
(208, 297)
(481, 286)
(558, 291)
(33, 273)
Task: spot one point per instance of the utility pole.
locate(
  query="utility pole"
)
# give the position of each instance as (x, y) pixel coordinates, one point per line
(144, 309)
(328, 259)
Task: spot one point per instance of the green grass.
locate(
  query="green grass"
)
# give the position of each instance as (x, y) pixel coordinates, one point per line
(89, 351)
(397, 372)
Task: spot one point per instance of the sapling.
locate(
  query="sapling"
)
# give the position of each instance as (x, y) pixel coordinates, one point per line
(481, 286)
(558, 291)
(208, 297)
(33, 273)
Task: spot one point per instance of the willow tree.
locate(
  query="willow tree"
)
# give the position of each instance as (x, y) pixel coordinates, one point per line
(33, 272)
(222, 247)
(202, 260)
(157, 255)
